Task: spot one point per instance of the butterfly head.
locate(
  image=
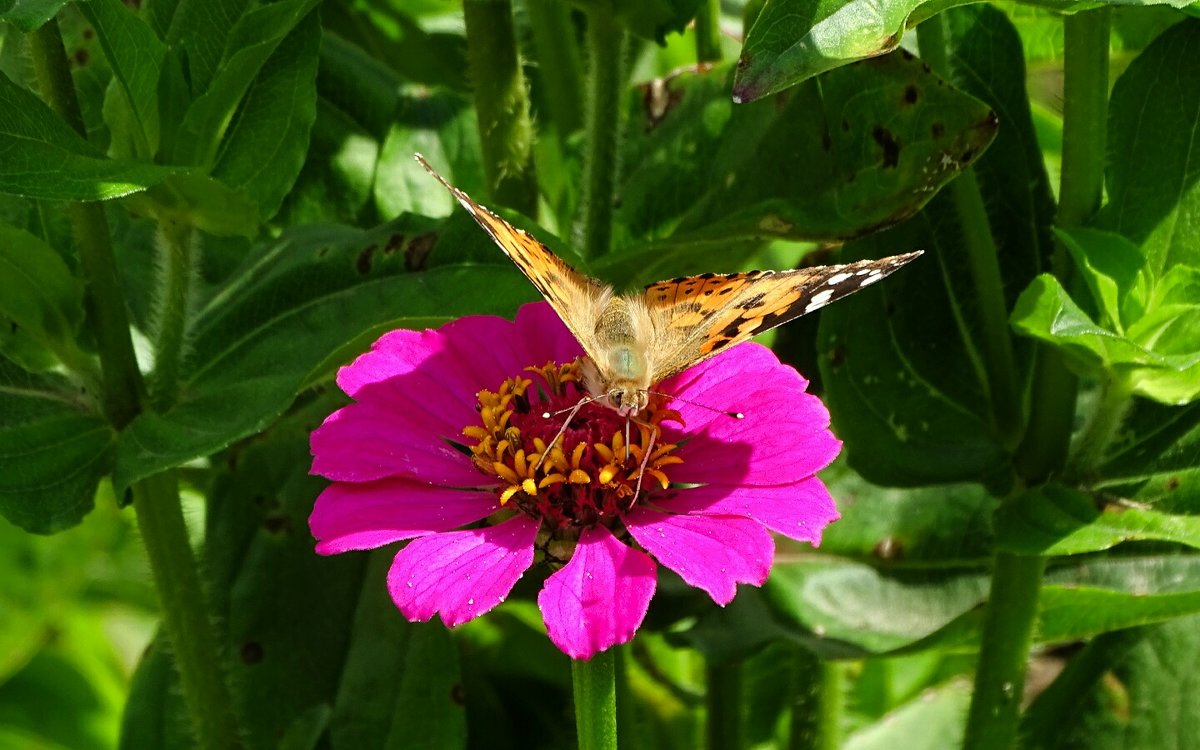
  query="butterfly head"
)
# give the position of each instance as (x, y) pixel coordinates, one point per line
(628, 400)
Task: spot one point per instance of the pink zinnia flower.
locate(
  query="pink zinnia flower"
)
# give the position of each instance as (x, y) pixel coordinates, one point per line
(441, 446)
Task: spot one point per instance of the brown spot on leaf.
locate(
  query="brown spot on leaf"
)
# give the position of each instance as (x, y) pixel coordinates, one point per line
(906, 55)
(837, 355)
(937, 130)
(394, 243)
(1172, 484)
(911, 94)
(362, 263)
(888, 548)
(889, 144)
(417, 252)
(252, 652)
(80, 58)
(458, 694)
(277, 524)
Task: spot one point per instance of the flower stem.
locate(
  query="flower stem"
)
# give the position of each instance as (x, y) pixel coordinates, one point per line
(1085, 105)
(502, 104)
(1007, 634)
(156, 500)
(105, 304)
(560, 66)
(174, 301)
(594, 682)
(984, 264)
(819, 700)
(160, 521)
(708, 31)
(602, 118)
(1102, 426)
(723, 703)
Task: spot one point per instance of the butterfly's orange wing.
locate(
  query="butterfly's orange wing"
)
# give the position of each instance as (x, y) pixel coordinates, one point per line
(697, 317)
(575, 297)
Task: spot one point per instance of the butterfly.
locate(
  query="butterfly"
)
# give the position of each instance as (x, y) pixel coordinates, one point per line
(636, 340)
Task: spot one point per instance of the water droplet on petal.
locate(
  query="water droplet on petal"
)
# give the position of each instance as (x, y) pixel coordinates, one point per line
(470, 602)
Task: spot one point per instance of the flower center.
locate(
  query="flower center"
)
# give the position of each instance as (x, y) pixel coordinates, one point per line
(578, 467)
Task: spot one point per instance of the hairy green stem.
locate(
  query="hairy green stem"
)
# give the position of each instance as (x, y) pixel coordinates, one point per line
(1085, 107)
(708, 31)
(983, 261)
(185, 618)
(602, 118)
(724, 703)
(156, 500)
(1007, 634)
(594, 684)
(1102, 426)
(560, 66)
(818, 703)
(105, 303)
(502, 104)
(174, 301)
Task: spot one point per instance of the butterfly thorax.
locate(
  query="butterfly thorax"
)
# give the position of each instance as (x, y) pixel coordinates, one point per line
(619, 371)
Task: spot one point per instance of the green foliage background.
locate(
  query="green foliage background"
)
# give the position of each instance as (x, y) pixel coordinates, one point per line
(1018, 406)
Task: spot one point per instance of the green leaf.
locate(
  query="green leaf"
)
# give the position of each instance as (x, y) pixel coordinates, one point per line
(155, 715)
(1111, 266)
(654, 19)
(52, 451)
(42, 157)
(199, 201)
(313, 299)
(1059, 521)
(932, 721)
(200, 29)
(39, 297)
(901, 362)
(250, 44)
(135, 56)
(1156, 458)
(29, 15)
(265, 145)
(794, 40)
(1046, 312)
(863, 148)
(287, 612)
(398, 687)
(1153, 176)
(1137, 694)
(399, 45)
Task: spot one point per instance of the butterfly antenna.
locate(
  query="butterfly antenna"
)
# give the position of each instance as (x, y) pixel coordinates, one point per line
(581, 403)
(730, 414)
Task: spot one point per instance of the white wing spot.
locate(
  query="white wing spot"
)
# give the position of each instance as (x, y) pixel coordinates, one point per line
(820, 299)
(871, 278)
(864, 272)
(838, 278)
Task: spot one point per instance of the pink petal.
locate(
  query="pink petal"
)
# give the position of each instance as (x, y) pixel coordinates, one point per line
(800, 511)
(462, 574)
(713, 553)
(600, 597)
(361, 442)
(364, 516)
(545, 335)
(721, 383)
(783, 438)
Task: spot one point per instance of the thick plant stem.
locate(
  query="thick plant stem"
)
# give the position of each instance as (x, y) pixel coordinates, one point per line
(724, 704)
(1102, 426)
(502, 104)
(819, 697)
(983, 262)
(1007, 634)
(1085, 106)
(560, 66)
(105, 303)
(602, 117)
(160, 521)
(708, 31)
(174, 301)
(594, 684)
(156, 500)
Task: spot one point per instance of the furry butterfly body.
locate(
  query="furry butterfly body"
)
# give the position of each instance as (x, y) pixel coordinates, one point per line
(635, 340)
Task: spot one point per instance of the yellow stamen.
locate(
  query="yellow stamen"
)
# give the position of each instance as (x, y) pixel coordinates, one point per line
(579, 476)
